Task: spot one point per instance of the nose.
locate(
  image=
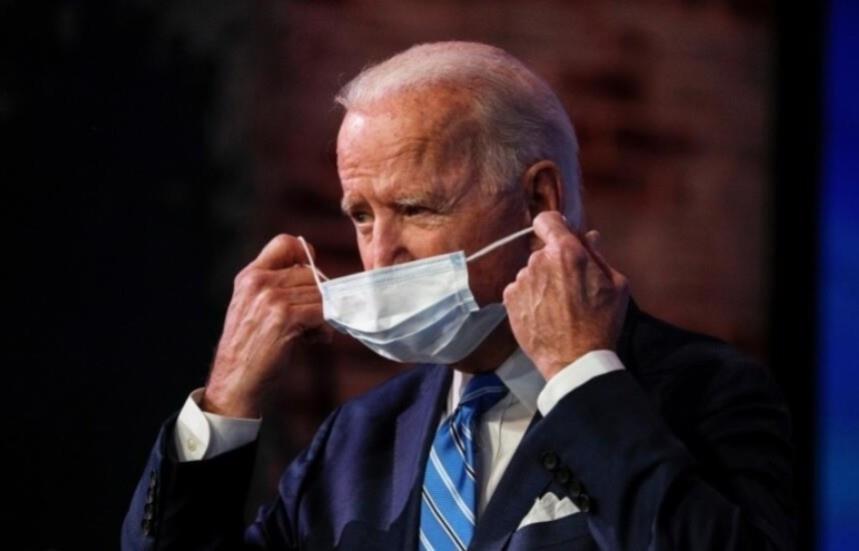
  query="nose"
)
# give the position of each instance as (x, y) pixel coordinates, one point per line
(386, 247)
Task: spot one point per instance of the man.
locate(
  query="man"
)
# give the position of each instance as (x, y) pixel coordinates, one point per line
(575, 422)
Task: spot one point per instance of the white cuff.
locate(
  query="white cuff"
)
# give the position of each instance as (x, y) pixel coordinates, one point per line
(203, 435)
(593, 364)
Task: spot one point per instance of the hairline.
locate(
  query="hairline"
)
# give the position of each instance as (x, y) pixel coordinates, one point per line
(507, 107)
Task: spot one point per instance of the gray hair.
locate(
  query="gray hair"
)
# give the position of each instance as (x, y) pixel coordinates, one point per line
(520, 118)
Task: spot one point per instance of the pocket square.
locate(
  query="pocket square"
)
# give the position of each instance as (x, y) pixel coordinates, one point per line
(548, 508)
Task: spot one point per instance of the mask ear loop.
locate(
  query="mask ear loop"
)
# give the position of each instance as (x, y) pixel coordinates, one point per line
(503, 241)
(316, 273)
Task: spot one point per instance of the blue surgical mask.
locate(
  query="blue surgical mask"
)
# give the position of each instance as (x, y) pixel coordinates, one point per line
(418, 312)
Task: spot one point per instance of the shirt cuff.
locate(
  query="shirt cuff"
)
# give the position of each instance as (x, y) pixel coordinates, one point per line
(593, 364)
(203, 435)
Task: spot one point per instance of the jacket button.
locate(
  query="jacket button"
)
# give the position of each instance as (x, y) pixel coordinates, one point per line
(583, 502)
(550, 461)
(563, 476)
(575, 488)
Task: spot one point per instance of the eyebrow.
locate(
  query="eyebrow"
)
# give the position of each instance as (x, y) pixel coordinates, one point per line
(417, 200)
(347, 204)
(429, 198)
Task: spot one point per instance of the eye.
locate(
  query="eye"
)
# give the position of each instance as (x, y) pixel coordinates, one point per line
(414, 210)
(360, 217)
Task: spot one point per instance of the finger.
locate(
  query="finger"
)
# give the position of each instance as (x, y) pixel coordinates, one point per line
(282, 251)
(286, 300)
(304, 294)
(509, 293)
(550, 226)
(254, 280)
(591, 238)
(619, 280)
(307, 317)
(291, 320)
(292, 276)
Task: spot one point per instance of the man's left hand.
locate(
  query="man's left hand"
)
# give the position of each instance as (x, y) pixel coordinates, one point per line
(567, 301)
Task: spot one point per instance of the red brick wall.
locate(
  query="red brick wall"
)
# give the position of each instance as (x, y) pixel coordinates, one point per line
(670, 101)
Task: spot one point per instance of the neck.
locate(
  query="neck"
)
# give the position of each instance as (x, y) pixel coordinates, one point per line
(496, 348)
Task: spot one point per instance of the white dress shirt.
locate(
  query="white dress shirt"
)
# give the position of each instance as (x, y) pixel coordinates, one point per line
(203, 435)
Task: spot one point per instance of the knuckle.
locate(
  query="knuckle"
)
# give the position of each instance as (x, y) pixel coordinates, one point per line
(547, 216)
(251, 280)
(570, 243)
(573, 254)
(281, 312)
(240, 280)
(266, 296)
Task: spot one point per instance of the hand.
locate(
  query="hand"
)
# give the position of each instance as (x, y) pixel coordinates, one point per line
(567, 301)
(275, 303)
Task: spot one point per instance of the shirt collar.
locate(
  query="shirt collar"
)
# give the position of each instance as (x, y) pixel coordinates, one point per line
(517, 373)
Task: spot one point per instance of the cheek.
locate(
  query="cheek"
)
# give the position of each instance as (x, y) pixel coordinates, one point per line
(364, 251)
(400, 243)
(489, 276)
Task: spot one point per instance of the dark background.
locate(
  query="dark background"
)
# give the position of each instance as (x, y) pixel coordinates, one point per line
(139, 161)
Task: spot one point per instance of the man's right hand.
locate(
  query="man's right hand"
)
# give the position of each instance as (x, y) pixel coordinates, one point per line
(275, 303)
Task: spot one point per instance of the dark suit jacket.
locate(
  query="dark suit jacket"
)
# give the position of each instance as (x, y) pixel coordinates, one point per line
(688, 448)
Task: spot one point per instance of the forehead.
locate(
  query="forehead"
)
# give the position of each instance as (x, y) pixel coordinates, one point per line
(409, 142)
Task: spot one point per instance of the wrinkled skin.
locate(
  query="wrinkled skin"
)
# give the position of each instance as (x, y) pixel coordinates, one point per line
(412, 190)
(567, 301)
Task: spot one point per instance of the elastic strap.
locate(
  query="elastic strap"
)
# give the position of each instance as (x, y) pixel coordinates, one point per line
(316, 273)
(503, 241)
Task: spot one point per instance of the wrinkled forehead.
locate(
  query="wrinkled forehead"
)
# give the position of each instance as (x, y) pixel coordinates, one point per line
(432, 140)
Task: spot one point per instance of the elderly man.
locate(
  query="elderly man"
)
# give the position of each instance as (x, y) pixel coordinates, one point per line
(545, 410)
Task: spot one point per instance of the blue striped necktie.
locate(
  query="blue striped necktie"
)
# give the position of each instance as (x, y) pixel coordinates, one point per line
(449, 494)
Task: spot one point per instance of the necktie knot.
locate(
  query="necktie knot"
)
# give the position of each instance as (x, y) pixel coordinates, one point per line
(481, 393)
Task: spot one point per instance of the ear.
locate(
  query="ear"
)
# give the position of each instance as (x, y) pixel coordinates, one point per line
(544, 188)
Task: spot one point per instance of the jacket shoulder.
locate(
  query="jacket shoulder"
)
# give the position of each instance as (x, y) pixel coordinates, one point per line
(693, 377)
(654, 348)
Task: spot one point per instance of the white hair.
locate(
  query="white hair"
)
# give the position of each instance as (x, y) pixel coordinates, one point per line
(520, 119)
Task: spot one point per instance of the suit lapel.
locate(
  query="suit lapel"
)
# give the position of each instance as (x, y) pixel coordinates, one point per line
(415, 430)
(524, 480)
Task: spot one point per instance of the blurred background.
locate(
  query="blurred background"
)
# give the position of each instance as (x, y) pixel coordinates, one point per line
(151, 148)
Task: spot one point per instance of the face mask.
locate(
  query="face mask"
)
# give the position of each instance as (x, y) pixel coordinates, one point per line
(418, 312)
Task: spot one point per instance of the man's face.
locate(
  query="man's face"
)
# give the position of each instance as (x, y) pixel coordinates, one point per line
(412, 190)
